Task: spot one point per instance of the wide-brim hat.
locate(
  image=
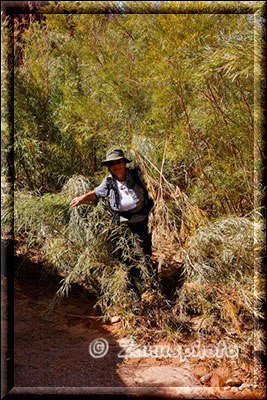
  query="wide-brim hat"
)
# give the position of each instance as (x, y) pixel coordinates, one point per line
(113, 155)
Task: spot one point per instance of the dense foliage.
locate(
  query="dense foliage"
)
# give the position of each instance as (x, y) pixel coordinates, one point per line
(177, 92)
(88, 82)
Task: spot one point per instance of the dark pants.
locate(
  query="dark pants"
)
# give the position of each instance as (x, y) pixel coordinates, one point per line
(143, 241)
(142, 236)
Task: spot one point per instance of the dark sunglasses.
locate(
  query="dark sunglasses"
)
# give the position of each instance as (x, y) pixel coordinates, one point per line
(111, 163)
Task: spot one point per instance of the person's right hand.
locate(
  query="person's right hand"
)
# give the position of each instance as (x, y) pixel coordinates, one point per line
(77, 201)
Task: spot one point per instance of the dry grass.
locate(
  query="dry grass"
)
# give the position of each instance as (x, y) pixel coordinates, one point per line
(214, 267)
(224, 283)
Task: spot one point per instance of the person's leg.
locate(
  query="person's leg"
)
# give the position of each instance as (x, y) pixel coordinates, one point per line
(143, 239)
(120, 235)
(142, 236)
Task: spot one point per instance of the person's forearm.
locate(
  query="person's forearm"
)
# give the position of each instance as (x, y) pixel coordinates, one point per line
(90, 196)
(85, 198)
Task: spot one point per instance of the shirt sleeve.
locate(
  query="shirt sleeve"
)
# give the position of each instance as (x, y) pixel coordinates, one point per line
(103, 189)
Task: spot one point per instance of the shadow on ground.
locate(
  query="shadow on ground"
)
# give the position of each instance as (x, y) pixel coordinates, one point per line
(58, 348)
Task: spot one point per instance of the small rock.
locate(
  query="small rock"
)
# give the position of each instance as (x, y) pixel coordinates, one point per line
(244, 386)
(205, 378)
(227, 388)
(256, 386)
(115, 319)
(233, 382)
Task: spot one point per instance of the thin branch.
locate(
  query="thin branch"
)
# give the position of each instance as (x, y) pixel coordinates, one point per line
(123, 27)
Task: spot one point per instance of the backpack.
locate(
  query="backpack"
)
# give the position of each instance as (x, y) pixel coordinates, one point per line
(149, 202)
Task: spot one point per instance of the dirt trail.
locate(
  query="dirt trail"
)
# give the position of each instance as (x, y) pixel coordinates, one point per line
(54, 353)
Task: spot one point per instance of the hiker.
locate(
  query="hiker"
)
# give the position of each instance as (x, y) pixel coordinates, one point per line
(129, 199)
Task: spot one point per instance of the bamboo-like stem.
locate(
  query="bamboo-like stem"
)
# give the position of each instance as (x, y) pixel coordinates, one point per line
(192, 139)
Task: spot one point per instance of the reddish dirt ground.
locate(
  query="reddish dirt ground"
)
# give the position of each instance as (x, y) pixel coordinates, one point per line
(51, 350)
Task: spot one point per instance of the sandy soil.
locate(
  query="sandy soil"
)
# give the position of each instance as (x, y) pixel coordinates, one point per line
(55, 352)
